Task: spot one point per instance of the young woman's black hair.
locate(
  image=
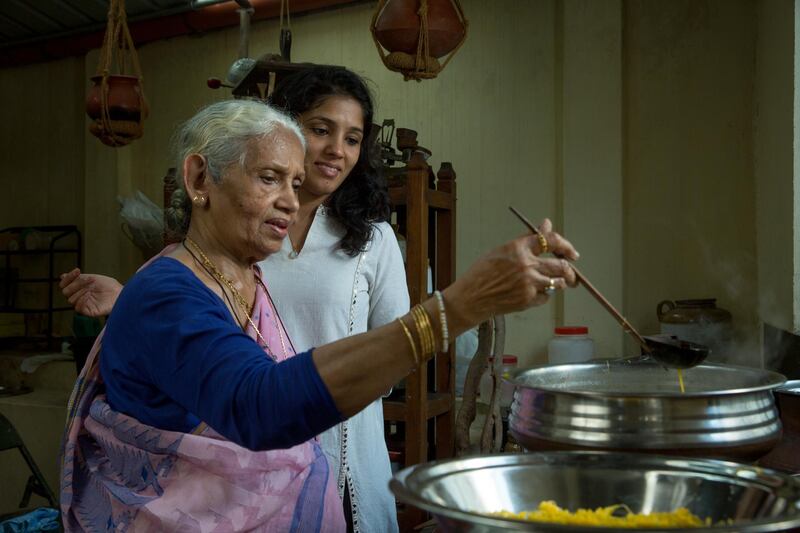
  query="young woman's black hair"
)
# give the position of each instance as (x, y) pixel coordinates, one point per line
(362, 199)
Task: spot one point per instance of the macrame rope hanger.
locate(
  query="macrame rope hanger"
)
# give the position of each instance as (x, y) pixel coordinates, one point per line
(118, 51)
(421, 65)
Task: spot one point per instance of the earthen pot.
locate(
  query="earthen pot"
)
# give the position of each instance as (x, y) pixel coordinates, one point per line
(125, 101)
(397, 27)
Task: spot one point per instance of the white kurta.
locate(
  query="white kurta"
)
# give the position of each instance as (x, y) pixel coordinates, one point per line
(324, 295)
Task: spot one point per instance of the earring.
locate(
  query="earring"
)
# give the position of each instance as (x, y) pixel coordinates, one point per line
(199, 200)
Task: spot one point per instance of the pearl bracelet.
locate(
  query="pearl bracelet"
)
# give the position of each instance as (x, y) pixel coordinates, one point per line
(443, 321)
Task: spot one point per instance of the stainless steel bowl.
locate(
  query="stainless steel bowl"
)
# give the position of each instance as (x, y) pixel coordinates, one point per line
(726, 412)
(460, 492)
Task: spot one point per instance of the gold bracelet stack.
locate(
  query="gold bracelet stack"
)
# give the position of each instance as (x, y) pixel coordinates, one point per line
(425, 335)
(424, 330)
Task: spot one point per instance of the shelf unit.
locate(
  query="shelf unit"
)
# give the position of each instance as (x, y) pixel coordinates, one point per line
(55, 234)
(427, 218)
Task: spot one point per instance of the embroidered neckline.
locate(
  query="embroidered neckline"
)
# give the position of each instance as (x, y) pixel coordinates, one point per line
(293, 253)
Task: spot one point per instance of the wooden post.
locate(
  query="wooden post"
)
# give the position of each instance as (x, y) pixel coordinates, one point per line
(416, 438)
(427, 406)
(445, 275)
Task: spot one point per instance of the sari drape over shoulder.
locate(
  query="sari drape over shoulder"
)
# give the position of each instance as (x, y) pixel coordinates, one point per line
(119, 474)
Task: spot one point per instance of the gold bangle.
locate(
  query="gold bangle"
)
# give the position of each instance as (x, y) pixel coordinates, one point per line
(411, 342)
(426, 319)
(415, 321)
(424, 330)
(429, 326)
(420, 327)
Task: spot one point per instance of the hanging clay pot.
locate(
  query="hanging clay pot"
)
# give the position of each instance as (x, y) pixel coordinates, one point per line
(397, 27)
(127, 109)
(125, 101)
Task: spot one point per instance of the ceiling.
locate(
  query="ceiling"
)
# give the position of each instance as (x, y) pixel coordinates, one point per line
(42, 30)
(29, 21)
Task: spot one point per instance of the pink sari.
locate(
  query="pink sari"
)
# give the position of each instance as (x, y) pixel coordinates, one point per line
(121, 475)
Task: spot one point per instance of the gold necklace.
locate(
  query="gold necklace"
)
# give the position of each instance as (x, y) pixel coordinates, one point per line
(236, 295)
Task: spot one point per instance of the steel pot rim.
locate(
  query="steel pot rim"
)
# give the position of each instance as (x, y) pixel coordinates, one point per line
(772, 381)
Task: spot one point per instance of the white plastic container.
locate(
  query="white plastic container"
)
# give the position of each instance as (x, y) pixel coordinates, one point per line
(571, 344)
(506, 389)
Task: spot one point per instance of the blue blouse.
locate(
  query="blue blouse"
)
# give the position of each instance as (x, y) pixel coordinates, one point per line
(172, 356)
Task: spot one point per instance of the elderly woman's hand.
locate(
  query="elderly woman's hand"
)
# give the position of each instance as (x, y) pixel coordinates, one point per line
(510, 278)
(91, 294)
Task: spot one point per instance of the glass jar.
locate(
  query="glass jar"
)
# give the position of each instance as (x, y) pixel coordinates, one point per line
(571, 344)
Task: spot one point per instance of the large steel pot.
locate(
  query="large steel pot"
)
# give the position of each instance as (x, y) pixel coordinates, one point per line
(785, 455)
(461, 493)
(726, 412)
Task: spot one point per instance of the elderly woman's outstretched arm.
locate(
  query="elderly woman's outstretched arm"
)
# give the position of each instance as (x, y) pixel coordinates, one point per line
(193, 364)
(510, 278)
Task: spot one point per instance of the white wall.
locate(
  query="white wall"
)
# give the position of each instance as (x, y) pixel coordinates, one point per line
(630, 123)
(689, 185)
(774, 128)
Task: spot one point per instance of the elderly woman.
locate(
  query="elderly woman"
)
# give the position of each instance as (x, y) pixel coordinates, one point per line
(339, 272)
(199, 416)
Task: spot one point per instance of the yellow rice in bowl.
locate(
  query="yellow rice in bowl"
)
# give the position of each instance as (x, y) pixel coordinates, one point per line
(548, 511)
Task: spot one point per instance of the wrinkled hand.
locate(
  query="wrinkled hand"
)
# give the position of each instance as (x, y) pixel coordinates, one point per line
(91, 294)
(511, 278)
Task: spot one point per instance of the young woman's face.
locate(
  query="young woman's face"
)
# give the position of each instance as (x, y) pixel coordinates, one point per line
(334, 132)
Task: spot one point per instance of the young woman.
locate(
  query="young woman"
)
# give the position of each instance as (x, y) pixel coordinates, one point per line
(340, 272)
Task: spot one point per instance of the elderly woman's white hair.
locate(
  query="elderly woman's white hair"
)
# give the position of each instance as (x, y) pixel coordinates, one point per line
(221, 132)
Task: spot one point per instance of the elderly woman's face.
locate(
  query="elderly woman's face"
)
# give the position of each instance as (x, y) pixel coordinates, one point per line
(257, 202)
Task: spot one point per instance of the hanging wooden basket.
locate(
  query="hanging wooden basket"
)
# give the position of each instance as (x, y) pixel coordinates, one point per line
(412, 36)
(116, 102)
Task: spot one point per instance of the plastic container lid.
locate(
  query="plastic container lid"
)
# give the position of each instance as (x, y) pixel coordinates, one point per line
(572, 330)
(507, 359)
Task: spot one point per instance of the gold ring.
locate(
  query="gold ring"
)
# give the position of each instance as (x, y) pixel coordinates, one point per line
(542, 243)
(551, 287)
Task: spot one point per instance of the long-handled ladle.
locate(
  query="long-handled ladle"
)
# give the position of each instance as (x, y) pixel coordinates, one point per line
(666, 350)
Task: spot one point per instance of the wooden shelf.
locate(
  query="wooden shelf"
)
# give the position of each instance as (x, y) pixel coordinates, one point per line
(437, 403)
(440, 199)
(427, 219)
(434, 198)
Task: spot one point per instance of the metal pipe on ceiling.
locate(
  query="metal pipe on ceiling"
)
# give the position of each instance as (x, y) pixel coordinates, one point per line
(245, 14)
